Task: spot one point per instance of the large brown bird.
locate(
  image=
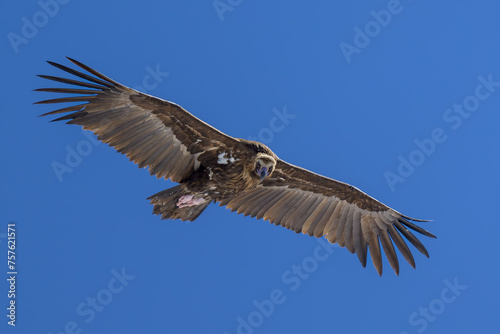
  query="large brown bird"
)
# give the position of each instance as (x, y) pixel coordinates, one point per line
(246, 176)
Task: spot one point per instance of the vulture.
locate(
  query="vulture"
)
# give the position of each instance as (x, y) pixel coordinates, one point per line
(243, 175)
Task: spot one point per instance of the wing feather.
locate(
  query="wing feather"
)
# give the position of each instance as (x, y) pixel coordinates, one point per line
(358, 238)
(331, 226)
(277, 207)
(287, 219)
(238, 203)
(374, 245)
(254, 201)
(297, 217)
(389, 250)
(286, 209)
(266, 203)
(265, 209)
(339, 236)
(310, 223)
(348, 231)
(320, 229)
(401, 244)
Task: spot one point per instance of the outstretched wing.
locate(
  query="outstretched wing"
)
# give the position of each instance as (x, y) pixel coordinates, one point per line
(306, 202)
(150, 131)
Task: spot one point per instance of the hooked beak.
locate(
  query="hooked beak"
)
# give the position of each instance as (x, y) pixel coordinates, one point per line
(263, 173)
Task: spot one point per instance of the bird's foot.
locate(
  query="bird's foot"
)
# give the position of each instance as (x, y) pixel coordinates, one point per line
(189, 200)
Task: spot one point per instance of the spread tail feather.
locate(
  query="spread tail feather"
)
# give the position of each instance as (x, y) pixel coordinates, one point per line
(166, 204)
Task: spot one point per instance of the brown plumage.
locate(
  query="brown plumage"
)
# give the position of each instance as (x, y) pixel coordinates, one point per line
(243, 175)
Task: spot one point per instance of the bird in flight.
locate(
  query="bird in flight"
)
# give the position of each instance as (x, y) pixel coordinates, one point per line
(245, 176)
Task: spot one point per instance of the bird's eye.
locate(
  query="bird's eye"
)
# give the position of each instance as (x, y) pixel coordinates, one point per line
(257, 167)
(270, 170)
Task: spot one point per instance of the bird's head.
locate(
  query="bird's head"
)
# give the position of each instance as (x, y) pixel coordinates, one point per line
(264, 165)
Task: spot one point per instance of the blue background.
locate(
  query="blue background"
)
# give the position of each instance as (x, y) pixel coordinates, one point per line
(354, 121)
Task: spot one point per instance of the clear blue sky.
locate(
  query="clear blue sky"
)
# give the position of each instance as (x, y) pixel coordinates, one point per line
(400, 99)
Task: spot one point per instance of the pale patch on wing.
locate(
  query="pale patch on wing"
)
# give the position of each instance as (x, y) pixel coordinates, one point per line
(222, 160)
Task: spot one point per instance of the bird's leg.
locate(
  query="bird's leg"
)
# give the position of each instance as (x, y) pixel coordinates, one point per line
(189, 200)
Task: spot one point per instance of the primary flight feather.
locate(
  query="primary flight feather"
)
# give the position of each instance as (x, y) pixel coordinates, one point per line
(246, 176)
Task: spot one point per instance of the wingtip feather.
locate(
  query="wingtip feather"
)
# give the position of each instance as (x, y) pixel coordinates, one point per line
(417, 220)
(417, 228)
